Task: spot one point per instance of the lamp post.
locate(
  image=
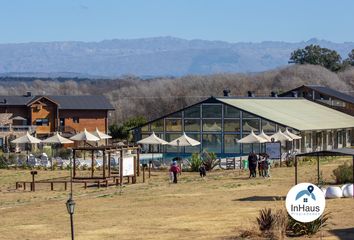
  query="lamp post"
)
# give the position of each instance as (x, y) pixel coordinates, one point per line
(70, 204)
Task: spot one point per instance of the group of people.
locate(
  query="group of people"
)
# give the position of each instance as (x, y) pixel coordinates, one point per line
(261, 162)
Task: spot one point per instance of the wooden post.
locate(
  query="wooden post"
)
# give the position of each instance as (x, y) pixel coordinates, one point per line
(295, 170)
(149, 169)
(138, 161)
(33, 188)
(74, 163)
(51, 186)
(134, 178)
(109, 164)
(24, 185)
(104, 163)
(143, 173)
(92, 163)
(16, 185)
(65, 186)
(234, 163)
(121, 167)
(85, 185)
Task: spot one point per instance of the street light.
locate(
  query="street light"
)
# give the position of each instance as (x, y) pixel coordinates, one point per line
(70, 204)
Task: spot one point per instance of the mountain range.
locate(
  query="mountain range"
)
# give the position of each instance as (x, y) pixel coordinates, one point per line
(160, 56)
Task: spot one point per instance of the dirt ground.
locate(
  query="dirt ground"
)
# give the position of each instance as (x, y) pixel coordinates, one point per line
(218, 207)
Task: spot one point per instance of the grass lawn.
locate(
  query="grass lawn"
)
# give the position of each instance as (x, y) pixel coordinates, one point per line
(218, 207)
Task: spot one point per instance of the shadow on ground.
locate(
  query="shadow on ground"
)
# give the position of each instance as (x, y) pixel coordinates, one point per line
(260, 198)
(343, 234)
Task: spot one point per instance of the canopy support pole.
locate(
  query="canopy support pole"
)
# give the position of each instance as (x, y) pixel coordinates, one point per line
(295, 170)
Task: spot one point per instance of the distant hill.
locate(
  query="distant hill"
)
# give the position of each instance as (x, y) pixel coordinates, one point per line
(161, 56)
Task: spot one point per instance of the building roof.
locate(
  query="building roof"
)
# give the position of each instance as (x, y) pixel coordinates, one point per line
(326, 90)
(298, 113)
(333, 152)
(82, 102)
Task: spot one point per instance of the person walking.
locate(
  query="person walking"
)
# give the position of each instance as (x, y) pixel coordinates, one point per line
(175, 170)
(202, 171)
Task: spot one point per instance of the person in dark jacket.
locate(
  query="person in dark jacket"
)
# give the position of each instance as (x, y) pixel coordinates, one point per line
(175, 170)
(202, 171)
(252, 163)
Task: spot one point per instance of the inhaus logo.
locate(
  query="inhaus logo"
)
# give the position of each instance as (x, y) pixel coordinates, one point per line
(305, 202)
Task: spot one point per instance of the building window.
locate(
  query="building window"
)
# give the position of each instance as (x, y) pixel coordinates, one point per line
(145, 128)
(76, 120)
(250, 124)
(195, 136)
(232, 125)
(308, 140)
(212, 125)
(157, 126)
(268, 126)
(231, 112)
(191, 125)
(248, 115)
(192, 112)
(173, 125)
(175, 115)
(212, 143)
(212, 111)
(230, 143)
(170, 137)
(62, 122)
(42, 122)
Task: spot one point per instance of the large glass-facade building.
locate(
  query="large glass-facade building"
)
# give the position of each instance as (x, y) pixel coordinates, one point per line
(218, 125)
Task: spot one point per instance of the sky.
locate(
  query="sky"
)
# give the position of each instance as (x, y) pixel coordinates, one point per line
(226, 20)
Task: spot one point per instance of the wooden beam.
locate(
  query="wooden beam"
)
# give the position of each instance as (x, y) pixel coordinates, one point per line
(121, 168)
(104, 164)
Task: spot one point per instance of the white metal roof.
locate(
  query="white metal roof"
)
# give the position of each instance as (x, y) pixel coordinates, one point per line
(297, 113)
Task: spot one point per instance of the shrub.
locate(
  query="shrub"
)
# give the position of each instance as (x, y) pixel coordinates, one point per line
(210, 161)
(343, 173)
(266, 219)
(195, 161)
(273, 225)
(64, 153)
(296, 228)
(3, 163)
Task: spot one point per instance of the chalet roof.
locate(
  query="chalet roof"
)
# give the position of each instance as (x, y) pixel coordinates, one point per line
(325, 90)
(82, 102)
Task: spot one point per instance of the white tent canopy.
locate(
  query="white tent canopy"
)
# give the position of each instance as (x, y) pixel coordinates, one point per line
(84, 136)
(184, 141)
(265, 136)
(152, 140)
(26, 139)
(56, 138)
(279, 136)
(101, 135)
(291, 135)
(252, 138)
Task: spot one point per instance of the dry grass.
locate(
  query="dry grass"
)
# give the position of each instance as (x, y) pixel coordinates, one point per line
(220, 207)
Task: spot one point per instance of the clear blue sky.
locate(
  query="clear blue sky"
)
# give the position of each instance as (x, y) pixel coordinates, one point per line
(228, 20)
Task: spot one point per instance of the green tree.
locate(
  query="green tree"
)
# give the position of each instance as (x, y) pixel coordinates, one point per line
(314, 54)
(350, 60)
(123, 131)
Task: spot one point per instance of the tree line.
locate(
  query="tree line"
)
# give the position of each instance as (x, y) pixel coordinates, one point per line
(316, 55)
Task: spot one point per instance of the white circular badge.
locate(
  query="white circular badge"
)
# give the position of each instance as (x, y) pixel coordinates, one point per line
(305, 202)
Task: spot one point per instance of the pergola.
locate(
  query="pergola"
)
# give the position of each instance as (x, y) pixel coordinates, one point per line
(325, 153)
(107, 151)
